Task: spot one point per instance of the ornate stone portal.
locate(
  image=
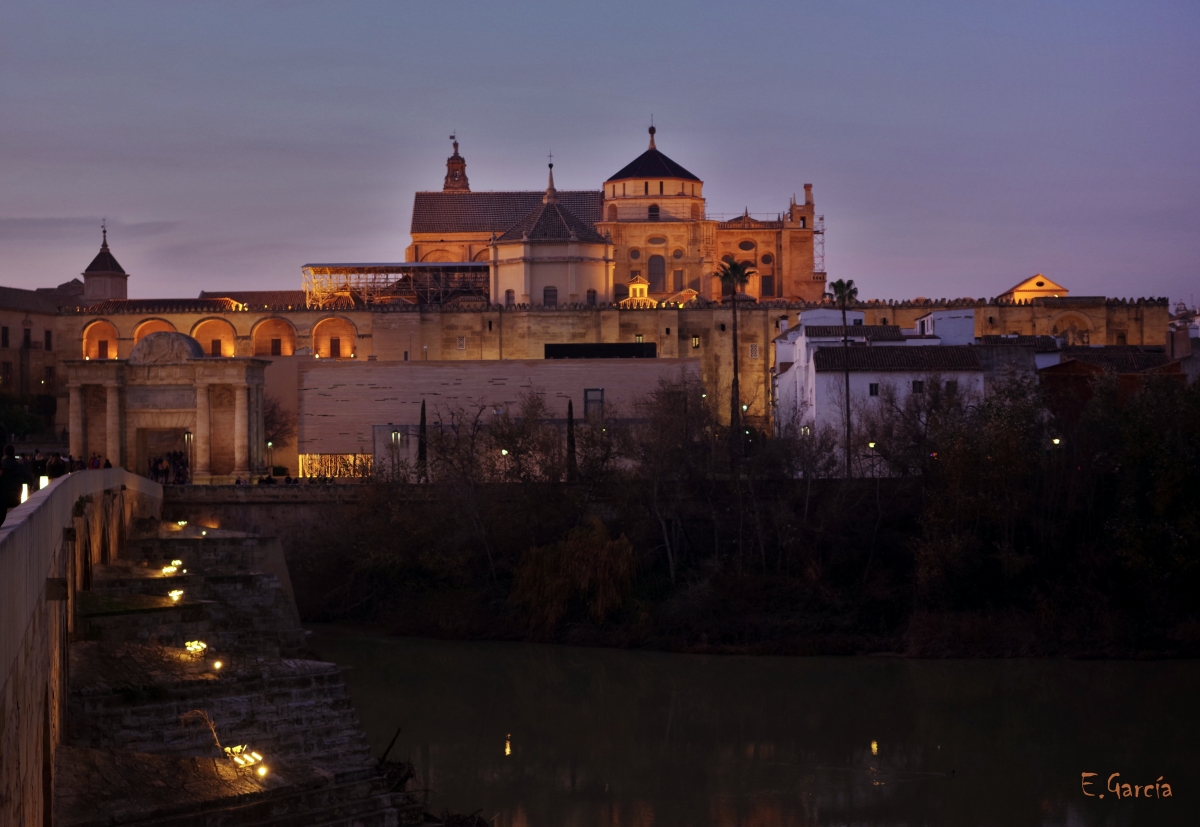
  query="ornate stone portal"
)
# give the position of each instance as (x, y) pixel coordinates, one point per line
(168, 396)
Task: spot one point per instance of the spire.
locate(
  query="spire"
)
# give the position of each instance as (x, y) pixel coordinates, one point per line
(103, 233)
(652, 131)
(551, 196)
(456, 171)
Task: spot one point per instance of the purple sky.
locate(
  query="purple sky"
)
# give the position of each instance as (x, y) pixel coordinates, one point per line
(954, 150)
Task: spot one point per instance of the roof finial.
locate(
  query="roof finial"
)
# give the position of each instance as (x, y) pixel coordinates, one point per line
(551, 196)
(103, 233)
(652, 131)
(454, 137)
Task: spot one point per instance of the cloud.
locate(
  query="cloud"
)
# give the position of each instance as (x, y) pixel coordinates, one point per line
(70, 229)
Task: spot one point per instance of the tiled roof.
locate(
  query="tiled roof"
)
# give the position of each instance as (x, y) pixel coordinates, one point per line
(493, 212)
(119, 306)
(871, 332)
(552, 222)
(653, 164)
(1042, 344)
(104, 262)
(36, 301)
(261, 299)
(923, 358)
(1117, 360)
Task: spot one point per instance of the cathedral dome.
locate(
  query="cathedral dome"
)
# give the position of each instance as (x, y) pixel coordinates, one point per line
(652, 164)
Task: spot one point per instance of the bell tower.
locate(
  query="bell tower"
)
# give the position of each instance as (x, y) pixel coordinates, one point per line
(456, 172)
(104, 278)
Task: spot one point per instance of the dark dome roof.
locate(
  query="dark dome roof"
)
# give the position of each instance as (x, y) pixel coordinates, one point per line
(653, 164)
(104, 262)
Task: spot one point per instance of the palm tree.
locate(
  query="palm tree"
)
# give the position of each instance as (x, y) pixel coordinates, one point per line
(845, 292)
(734, 276)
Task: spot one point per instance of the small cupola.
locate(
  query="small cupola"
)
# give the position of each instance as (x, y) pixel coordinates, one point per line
(456, 171)
(104, 279)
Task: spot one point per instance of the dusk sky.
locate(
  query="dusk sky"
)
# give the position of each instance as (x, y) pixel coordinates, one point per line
(955, 148)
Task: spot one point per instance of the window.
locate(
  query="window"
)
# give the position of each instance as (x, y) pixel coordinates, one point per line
(660, 192)
(102, 349)
(746, 245)
(612, 212)
(768, 285)
(335, 347)
(646, 188)
(635, 254)
(722, 327)
(49, 337)
(591, 298)
(873, 389)
(214, 348)
(991, 320)
(658, 274)
(489, 325)
(767, 258)
(857, 321)
(1121, 338)
(27, 338)
(918, 386)
(728, 257)
(406, 355)
(3, 337)
(653, 212)
(657, 240)
(754, 351)
(951, 386)
(883, 320)
(637, 337)
(277, 347)
(695, 342)
(678, 254)
(6, 374)
(462, 343)
(676, 280)
(550, 297)
(510, 298)
(593, 404)
(803, 222)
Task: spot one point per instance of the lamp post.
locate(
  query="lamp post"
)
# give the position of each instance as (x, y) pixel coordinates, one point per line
(271, 456)
(189, 449)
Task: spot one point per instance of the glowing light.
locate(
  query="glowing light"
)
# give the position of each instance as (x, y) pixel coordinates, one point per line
(24, 491)
(508, 744)
(262, 771)
(503, 452)
(745, 407)
(43, 482)
(203, 533)
(175, 594)
(169, 570)
(176, 562)
(1055, 440)
(182, 522)
(870, 444)
(217, 665)
(196, 647)
(874, 747)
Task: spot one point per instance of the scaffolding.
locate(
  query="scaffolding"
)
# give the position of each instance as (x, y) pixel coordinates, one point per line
(330, 285)
(819, 248)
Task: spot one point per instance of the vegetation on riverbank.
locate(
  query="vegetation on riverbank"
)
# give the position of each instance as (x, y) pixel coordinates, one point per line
(973, 528)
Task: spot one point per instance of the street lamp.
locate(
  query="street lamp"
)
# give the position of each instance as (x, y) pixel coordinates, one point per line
(189, 445)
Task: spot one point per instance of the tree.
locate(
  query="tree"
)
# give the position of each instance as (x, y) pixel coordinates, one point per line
(734, 276)
(572, 463)
(422, 442)
(279, 425)
(845, 292)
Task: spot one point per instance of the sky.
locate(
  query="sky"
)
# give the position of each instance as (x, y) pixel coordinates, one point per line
(955, 148)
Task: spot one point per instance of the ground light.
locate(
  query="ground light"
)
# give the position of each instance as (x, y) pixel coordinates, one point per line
(43, 482)
(175, 594)
(24, 491)
(196, 648)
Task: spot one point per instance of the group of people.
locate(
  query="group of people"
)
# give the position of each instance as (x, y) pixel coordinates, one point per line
(17, 471)
(170, 469)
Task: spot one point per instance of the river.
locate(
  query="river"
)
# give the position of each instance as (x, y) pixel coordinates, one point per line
(551, 736)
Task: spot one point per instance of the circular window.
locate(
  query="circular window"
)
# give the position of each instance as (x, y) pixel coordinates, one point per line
(767, 258)
(677, 254)
(635, 254)
(656, 240)
(746, 245)
(1041, 284)
(727, 257)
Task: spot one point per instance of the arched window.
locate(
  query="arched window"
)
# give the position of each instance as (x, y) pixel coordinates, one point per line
(612, 212)
(653, 212)
(591, 297)
(803, 222)
(510, 298)
(647, 189)
(660, 187)
(746, 245)
(658, 274)
(550, 297)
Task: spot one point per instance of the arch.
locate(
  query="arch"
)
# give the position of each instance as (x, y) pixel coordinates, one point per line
(657, 268)
(438, 255)
(100, 340)
(148, 326)
(653, 213)
(1074, 326)
(216, 336)
(612, 212)
(510, 298)
(274, 337)
(335, 338)
(550, 297)
(483, 255)
(591, 298)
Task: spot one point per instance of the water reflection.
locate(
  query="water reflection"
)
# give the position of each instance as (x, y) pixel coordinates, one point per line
(542, 736)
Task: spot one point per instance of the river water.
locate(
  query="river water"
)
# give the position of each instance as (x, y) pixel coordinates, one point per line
(551, 736)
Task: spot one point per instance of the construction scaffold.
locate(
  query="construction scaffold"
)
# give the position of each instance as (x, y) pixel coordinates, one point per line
(818, 248)
(328, 285)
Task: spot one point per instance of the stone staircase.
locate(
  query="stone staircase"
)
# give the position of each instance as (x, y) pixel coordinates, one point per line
(138, 752)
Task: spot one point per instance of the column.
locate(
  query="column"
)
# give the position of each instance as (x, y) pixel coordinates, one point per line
(202, 441)
(241, 431)
(75, 422)
(112, 424)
